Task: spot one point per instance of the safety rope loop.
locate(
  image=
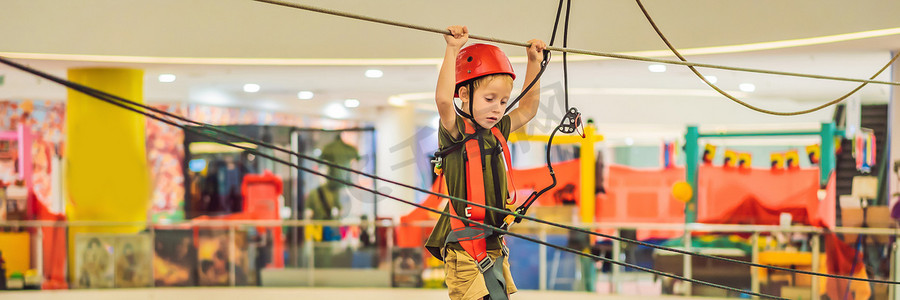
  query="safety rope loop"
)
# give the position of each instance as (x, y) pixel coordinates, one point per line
(568, 124)
(535, 195)
(546, 59)
(544, 63)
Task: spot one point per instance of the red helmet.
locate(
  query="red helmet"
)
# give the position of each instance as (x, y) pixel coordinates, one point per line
(479, 60)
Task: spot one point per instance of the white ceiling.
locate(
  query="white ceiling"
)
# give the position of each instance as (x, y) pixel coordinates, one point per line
(622, 96)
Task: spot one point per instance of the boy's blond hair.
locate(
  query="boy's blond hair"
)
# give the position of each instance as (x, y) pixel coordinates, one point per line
(487, 79)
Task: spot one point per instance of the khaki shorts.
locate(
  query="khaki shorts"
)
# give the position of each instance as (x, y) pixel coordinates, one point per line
(464, 281)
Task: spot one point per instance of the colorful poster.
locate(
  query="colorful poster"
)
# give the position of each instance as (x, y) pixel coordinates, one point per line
(16, 197)
(94, 259)
(407, 267)
(133, 257)
(165, 153)
(242, 268)
(3, 203)
(44, 120)
(212, 257)
(175, 258)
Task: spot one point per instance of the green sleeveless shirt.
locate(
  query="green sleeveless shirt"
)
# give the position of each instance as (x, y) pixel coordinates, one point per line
(454, 174)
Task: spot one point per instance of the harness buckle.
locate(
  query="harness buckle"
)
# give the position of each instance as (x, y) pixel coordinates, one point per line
(485, 264)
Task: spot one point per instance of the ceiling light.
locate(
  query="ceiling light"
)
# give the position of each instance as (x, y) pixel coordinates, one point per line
(210, 96)
(657, 68)
(351, 103)
(629, 141)
(305, 95)
(374, 73)
(336, 111)
(166, 77)
(270, 105)
(251, 88)
(747, 87)
(711, 79)
(396, 101)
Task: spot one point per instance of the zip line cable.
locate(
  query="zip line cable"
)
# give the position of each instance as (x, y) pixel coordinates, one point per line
(568, 50)
(106, 96)
(681, 61)
(745, 104)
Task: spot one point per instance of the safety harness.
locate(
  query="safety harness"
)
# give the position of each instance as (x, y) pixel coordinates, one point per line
(470, 236)
(471, 63)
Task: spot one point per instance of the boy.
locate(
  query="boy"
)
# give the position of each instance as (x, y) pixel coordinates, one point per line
(483, 80)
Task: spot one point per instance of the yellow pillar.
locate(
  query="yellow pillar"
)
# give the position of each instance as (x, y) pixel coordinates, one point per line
(588, 177)
(106, 173)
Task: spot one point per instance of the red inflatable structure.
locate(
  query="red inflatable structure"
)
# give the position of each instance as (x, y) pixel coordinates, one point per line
(725, 196)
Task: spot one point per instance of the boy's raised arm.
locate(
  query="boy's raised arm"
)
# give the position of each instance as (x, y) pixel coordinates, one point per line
(443, 94)
(528, 105)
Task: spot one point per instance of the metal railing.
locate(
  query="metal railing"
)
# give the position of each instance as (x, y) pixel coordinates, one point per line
(541, 231)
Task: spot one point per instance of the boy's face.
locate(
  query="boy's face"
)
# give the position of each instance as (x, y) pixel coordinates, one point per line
(490, 102)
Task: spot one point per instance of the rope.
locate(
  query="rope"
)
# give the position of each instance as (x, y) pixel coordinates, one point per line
(565, 61)
(745, 104)
(563, 49)
(556, 23)
(108, 98)
(118, 101)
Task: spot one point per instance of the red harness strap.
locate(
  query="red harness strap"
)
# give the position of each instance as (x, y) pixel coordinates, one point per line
(470, 236)
(510, 185)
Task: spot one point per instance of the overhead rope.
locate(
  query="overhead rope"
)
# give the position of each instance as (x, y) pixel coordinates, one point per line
(570, 122)
(745, 104)
(142, 109)
(567, 50)
(565, 38)
(167, 116)
(565, 60)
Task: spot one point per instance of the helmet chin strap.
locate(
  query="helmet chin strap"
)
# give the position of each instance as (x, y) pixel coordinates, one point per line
(471, 103)
(471, 114)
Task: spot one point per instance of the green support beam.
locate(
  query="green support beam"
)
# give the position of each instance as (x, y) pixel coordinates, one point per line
(692, 162)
